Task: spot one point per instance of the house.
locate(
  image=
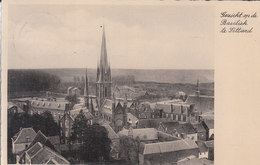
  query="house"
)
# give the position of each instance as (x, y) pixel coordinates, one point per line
(183, 130)
(14, 109)
(57, 107)
(201, 131)
(206, 149)
(167, 152)
(209, 126)
(115, 141)
(41, 154)
(22, 139)
(39, 138)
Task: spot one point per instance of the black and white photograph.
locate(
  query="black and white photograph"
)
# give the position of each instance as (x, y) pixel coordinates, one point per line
(104, 83)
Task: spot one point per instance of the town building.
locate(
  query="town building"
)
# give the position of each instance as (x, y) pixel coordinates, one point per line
(41, 154)
(22, 139)
(167, 152)
(14, 109)
(176, 110)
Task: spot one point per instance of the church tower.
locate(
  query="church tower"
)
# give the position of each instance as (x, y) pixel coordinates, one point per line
(197, 93)
(103, 82)
(86, 92)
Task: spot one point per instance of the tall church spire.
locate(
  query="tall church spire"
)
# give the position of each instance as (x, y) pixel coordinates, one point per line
(103, 84)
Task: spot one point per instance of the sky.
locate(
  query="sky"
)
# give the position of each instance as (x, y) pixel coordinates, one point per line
(138, 36)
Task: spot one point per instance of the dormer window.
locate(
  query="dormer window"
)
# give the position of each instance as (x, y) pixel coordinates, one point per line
(58, 105)
(43, 104)
(49, 104)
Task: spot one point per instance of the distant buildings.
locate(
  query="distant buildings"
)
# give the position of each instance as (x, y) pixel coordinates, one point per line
(73, 91)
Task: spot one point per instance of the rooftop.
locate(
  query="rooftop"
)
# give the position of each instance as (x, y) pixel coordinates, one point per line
(171, 146)
(145, 134)
(25, 135)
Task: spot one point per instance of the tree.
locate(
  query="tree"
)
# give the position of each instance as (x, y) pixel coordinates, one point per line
(51, 127)
(129, 149)
(96, 144)
(94, 139)
(79, 124)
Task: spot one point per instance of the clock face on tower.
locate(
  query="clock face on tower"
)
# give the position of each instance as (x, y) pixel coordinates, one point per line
(119, 122)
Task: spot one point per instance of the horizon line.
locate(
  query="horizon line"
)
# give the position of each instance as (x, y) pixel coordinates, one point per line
(111, 68)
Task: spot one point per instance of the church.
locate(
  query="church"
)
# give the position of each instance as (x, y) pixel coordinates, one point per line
(107, 108)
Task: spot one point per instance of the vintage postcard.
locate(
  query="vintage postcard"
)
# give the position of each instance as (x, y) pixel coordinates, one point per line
(129, 82)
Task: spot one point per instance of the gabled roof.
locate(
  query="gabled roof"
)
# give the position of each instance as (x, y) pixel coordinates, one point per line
(186, 128)
(11, 105)
(111, 133)
(25, 135)
(171, 146)
(144, 133)
(41, 138)
(40, 154)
